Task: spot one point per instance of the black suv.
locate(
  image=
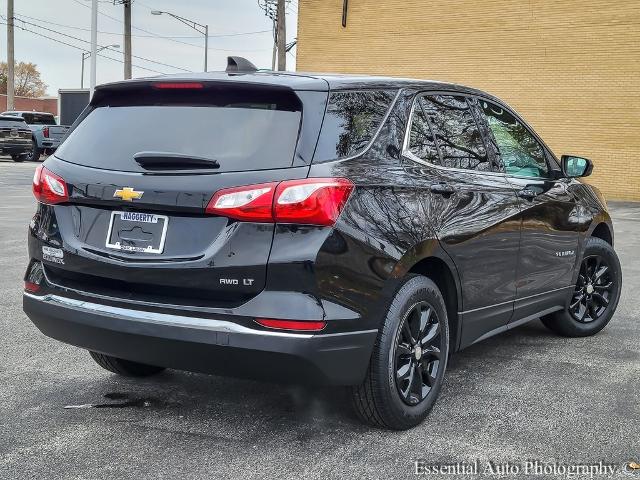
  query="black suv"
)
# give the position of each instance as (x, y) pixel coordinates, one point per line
(15, 137)
(307, 228)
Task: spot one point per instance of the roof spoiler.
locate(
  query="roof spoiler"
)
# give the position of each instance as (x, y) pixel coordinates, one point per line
(240, 64)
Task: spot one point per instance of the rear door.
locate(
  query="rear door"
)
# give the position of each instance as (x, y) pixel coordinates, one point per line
(550, 219)
(142, 167)
(470, 205)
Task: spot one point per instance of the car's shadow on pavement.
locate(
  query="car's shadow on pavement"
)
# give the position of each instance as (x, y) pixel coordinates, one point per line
(250, 405)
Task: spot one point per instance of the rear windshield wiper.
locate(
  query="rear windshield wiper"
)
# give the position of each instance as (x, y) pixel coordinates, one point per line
(172, 161)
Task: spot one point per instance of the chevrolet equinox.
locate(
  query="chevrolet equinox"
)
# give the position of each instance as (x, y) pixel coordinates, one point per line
(325, 229)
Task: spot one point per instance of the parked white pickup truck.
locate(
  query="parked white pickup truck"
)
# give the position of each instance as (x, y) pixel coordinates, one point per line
(46, 133)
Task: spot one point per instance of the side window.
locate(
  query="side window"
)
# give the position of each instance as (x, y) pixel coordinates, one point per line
(521, 154)
(456, 132)
(421, 141)
(350, 122)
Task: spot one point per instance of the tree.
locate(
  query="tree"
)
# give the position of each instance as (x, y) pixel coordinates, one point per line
(27, 80)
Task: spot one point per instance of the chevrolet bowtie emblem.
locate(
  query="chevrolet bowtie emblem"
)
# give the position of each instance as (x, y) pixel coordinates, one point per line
(127, 194)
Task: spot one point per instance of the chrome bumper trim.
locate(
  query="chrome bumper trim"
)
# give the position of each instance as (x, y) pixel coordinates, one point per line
(167, 319)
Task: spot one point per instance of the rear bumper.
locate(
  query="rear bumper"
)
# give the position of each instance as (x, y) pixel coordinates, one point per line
(15, 148)
(203, 344)
(50, 144)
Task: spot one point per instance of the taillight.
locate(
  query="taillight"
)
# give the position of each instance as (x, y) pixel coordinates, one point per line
(300, 325)
(45, 132)
(48, 187)
(310, 201)
(252, 203)
(31, 287)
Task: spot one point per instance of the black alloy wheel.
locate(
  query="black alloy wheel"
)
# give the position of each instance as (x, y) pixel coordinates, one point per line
(595, 296)
(409, 358)
(594, 289)
(417, 353)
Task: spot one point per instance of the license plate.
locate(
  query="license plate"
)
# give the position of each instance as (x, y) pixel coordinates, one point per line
(137, 232)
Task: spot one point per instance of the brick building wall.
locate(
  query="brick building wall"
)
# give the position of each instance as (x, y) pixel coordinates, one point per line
(571, 68)
(48, 104)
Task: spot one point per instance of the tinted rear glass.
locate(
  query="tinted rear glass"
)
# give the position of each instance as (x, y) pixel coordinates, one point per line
(39, 119)
(351, 121)
(12, 122)
(241, 131)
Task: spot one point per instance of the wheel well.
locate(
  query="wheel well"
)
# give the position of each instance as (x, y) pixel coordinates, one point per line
(602, 231)
(438, 271)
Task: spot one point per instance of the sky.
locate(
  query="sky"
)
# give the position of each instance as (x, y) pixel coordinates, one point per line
(236, 27)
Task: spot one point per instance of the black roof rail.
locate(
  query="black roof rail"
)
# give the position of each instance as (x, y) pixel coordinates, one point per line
(240, 64)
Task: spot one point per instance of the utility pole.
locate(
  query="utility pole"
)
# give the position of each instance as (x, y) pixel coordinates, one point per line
(282, 35)
(94, 46)
(275, 46)
(127, 39)
(10, 58)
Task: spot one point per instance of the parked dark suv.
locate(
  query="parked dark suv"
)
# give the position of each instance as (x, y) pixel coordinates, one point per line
(323, 229)
(15, 138)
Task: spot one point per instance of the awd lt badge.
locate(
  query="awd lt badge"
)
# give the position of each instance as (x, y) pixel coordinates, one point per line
(128, 194)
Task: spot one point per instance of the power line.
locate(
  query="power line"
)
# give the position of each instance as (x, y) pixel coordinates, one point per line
(138, 28)
(109, 49)
(74, 27)
(41, 35)
(153, 34)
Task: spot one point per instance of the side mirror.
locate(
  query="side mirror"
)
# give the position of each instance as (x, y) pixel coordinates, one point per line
(574, 167)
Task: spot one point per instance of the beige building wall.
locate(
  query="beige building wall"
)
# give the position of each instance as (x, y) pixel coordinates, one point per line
(571, 68)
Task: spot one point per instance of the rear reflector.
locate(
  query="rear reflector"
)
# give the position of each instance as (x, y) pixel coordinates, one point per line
(48, 187)
(300, 325)
(178, 85)
(310, 201)
(31, 287)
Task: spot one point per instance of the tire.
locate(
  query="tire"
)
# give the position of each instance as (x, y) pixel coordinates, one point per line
(125, 368)
(380, 400)
(590, 300)
(34, 155)
(17, 158)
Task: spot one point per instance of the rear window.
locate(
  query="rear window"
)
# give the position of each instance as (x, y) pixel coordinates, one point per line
(12, 122)
(240, 130)
(351, 121)
(39, 119)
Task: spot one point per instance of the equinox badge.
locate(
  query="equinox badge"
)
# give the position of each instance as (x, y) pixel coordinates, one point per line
(127, 194)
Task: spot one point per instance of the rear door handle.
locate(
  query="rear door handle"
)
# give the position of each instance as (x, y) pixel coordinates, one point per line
(442, 189)
(527, 193)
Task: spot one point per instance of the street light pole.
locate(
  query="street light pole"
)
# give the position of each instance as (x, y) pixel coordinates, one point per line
(206, 46)
(198, 27)
(86, 55)
(94, 46)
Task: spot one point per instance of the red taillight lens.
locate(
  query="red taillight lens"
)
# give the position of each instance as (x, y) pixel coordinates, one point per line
(48, 187)
(310, 201)
(300, 325)
(178, 85)
(45, 132)
(252, 203)
(31, 287)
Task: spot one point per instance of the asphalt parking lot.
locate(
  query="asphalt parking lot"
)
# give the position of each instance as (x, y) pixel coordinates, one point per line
(524, 395)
